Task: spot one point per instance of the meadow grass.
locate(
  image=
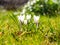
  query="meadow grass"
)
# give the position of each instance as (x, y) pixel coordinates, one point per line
(48, 31)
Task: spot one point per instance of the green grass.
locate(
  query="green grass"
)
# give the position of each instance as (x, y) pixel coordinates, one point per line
(48, 32)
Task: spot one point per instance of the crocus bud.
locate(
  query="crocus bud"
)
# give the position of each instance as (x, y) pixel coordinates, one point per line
(28, 17)
(25, 22)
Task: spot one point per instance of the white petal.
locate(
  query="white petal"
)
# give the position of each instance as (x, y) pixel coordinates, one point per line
(21, 18)
(36, 19)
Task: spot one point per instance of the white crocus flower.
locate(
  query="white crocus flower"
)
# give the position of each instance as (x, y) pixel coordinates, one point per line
(21, 18)
(36, 19)
(28, 17)
(25, 22)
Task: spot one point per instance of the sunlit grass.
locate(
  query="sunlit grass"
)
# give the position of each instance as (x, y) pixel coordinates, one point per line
(48, 31)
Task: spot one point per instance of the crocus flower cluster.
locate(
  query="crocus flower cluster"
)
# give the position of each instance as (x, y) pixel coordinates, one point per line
(24, 19)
